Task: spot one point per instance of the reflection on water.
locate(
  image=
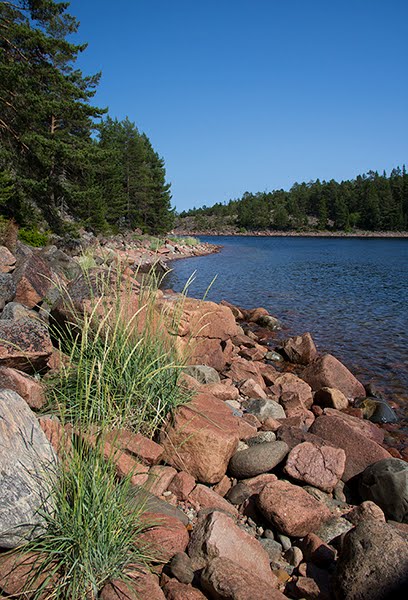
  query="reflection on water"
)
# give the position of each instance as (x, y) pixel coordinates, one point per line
(351, 294)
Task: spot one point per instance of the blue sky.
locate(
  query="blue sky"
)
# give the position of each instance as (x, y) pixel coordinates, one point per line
(254, 95)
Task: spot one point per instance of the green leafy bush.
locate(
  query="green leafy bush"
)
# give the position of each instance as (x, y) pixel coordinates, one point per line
(33, 237)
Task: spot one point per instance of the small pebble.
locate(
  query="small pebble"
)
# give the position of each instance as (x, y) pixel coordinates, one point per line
(285, 541)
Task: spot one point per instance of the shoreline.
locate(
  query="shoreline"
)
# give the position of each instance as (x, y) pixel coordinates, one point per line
(309, 234)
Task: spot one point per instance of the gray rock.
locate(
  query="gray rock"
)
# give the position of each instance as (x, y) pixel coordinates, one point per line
(181, 567)
(263, 408)
(261, 438)
(285, 541)
(238, 493)
(273, 548)
(60, 263)
(372, 565)
(203, 374)
(269, 322)
(7, 289)
(386, 483)
(333, 528)
(274, 356)
(294, 556)
(257, 459)
(13, 311)
(377, 410)
(27, 464)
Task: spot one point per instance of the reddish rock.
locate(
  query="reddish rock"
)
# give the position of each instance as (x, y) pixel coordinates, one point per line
(60, 437)
(217, 536)
(165, 537)
(268, 372)
(301, 349)
(221, 391)
(191, 383)
(125, 464)
(254, 314)
(159, 479)
(305, 588)
(223, 486)
(7, 260)
(257, 484)
(174, 590)
(327, 371)
(252, 389)
(202, 438)
(291, 509)
(315, 550)
(181, 485)
(19, 571)
(360, 450)
(366, 511)
(245, 430)
(270, 424)
(242, 369)
(27, 387)
(238, 314)
(207, 351)
(317, 410)
(33, 280)
(296, 388)
(370, 430)
(292, 405)
(136, 444)
(143, 585)
(25, 344)
(303, 421)
(332, 398)
(207, 498)
(256, 353)
(294, 436)
(223, 578)
(319, 466)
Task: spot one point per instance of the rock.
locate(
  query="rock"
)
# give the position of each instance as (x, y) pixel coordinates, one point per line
(239, 493)
(273, 548)
(7, 260)
(257, 459)
(264, 408)
(331, 397)
(203, 374)
(269, 322)
(296, 388)
(292, 510)
(356, 422)
(300, 350)
(181, 567)
(207, 498)
(139, 585)
(21, 571)
(13, 311)
(256, 353)
(294, 436)
(223, 486)
(159, 479)
(274, 356)
(251, 389)
(59, 437)
(217, 536)
(60, 263)
(25, 386)
(27, 460)
(261, 437)
(7, 289)
(245, 430)
(360, 451)
(256, 484)
(333, 528)
(221, 391)
(241, 369)
(155, 505)
(320, 466)
(174, 590)
(224, 579)
(33, 279)
(373, 564)
(202, 438)
(386, 484)
(294, 556)
(327, 371)
(26, 345)
(377, 411)
(136, 444)
(165, 537)
(268, 372)
(366, 511)
(316, 550)
(181, 485)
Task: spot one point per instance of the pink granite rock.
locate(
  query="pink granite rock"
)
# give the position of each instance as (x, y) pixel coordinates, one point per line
(327, 371)
(330, 397)
(165, 537)
(27, 387)
(291, 509)
(206, 498)
(320, 466)
(300, 349)
(136, 444)
(181, 485)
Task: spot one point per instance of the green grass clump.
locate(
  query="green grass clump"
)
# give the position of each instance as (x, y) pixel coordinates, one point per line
(155, 244)
(184, 241)
(33, 237)
(92, 535)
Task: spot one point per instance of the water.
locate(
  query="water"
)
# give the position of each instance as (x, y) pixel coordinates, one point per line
(350, 293)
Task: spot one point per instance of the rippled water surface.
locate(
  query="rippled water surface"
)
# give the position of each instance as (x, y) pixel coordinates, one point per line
(351, 294)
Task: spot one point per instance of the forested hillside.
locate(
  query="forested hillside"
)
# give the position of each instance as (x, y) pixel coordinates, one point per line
(62, 161)
(370, 202)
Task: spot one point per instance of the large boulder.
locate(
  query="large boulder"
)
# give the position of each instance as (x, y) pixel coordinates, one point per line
(291, 509)
(360, 450)
(216, 535)
(319, 466)
(27, 462)
(242, 369)
(386, 484)
(201, 438)
(327, 371)
(7, 289)
(372, 565)
(33, 280)
(26, 344)
(300, 349)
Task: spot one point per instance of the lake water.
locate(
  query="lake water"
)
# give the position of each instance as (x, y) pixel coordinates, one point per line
(350, 293)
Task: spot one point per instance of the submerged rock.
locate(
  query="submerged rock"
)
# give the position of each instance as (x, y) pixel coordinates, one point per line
(377, 410)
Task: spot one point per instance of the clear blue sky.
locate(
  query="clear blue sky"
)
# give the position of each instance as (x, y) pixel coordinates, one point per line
(253, 95)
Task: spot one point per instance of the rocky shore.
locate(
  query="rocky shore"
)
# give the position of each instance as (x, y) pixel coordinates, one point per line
(269, 484)
(293, 233)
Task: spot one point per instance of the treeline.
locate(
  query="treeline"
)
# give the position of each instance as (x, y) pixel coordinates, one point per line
(370, 202)
(62, 161)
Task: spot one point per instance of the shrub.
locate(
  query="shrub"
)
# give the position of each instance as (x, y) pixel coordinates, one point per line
(33, 237)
